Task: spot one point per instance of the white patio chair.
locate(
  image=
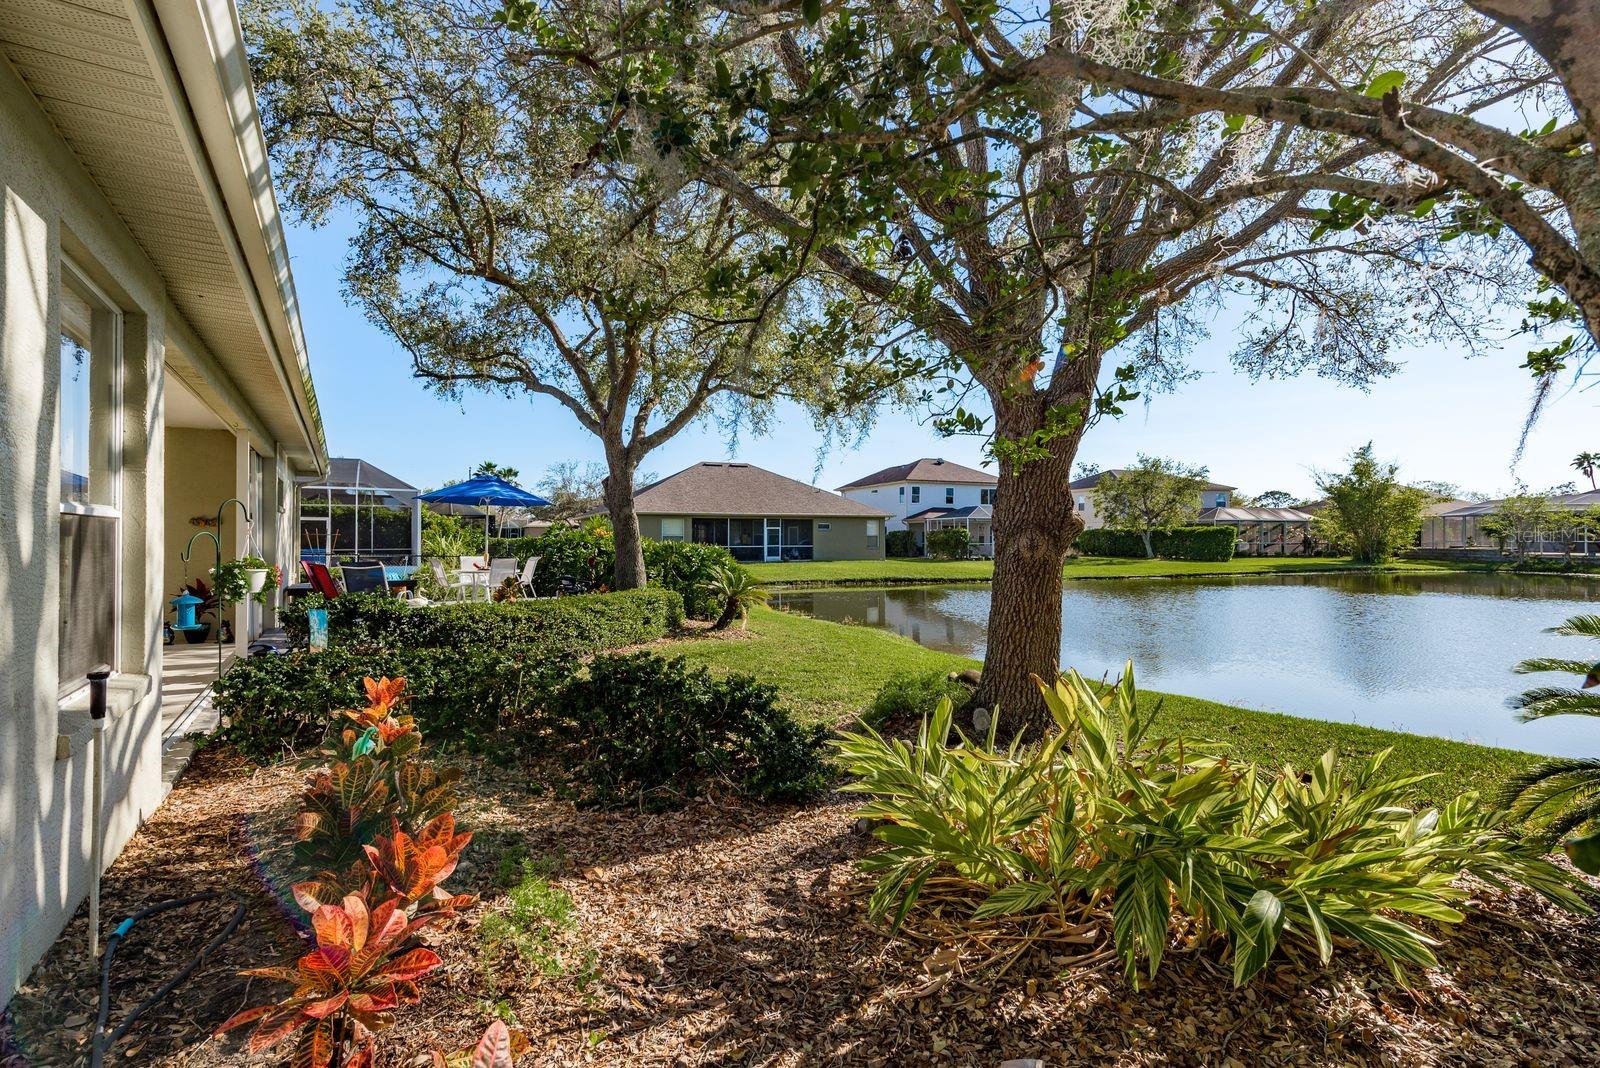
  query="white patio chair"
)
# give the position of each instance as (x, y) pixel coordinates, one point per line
(528, 570)
(499, 571)
(456, 586)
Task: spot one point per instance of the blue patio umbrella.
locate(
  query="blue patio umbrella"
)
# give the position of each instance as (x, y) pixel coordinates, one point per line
(485, 491)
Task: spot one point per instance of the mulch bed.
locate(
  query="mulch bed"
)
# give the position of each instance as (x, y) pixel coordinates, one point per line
(733, 934)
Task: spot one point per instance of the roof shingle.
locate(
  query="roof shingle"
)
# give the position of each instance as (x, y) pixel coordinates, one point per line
(928, 469)
(736, 489)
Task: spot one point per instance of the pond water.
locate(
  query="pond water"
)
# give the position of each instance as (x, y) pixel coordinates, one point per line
(1430, 654)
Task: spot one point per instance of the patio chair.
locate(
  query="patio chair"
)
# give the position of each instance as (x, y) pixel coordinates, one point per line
(455, 585)
(321, 579)
(528, 570)
(500, 570)
(471, 563)
(365, 578)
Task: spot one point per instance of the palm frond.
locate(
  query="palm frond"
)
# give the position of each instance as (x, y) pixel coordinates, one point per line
(1551, 663)
(1557, 781)
(1546, 701)
(1579, 627)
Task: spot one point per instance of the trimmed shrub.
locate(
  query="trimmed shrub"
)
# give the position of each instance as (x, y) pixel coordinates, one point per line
(588, 555)
(479, 696)
(582, 624)
(914, 694)
(900, 543)
(1213, 544)
(654, 731)
(688, 569)
(947, 543)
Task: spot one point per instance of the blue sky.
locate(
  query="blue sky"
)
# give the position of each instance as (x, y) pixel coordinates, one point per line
(1443, 417)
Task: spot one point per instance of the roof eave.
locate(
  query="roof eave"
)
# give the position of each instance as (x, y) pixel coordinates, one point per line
(201, 44)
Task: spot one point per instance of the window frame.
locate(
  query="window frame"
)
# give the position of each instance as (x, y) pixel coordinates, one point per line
(75, 276)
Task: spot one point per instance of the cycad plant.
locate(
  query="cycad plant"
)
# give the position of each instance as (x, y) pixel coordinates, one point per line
(1562, 795)
(738, 591)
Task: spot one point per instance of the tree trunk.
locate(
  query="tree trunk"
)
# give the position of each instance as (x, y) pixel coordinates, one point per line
(1149, 549)
(1034, 525)
(628, 573)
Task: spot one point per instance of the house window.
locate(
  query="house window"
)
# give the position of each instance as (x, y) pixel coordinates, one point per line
(986, 496)
(872, 533)
(672, 528)
(749, 539)
(824, 527)
(1222, 500)
(89, 422)
(902, 494)
(1083, 504)
(916, 494)
(949, 495)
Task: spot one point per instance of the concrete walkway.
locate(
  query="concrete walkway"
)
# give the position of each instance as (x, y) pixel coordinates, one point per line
(187, 672)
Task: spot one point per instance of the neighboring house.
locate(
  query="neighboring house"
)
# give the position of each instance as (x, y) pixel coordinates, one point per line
(358, 510)
(759, 515)
(1461, 526)
(151, 367)
(929, 493)
(1212, 495)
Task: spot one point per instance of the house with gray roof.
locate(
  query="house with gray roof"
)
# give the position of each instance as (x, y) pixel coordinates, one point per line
(759, 515)
(928, 493)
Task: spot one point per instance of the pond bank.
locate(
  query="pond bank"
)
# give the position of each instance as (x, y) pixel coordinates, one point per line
(830, 671)
(919, 572)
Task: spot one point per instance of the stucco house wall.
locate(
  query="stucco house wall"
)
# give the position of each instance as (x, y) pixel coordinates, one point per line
(50, 207)
(901, 499)
(845, 538)
(133, 187)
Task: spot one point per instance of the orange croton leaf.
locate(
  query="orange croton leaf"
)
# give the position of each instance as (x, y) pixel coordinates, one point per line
(333, 927)
(412, 964)
(384, 693)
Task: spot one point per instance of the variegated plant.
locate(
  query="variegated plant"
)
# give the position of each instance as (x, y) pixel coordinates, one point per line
(1105, 811)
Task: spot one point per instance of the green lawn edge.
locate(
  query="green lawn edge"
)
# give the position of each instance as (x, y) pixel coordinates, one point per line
(919, 572)
(829, 672)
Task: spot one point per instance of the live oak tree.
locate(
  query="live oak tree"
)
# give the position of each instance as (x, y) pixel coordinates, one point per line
(1061, 246)
(1155, 494)
(492, 246)
(1369, 513)
(1514, 142)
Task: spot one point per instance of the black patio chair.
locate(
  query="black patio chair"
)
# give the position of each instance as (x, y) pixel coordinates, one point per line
(364, 578)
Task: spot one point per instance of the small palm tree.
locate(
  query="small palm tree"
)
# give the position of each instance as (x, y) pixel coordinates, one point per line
(1562, 795)
(739, 592)
(1587, 463)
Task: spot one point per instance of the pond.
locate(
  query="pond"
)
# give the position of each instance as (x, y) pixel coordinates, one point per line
(1426, 653)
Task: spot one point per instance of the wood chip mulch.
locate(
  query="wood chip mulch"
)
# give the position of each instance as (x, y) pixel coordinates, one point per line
(734, 935)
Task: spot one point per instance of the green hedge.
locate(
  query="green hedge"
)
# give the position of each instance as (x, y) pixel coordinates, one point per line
(583, 624)
(650, 731)
(587, 554)
(899, 543)
(1209, 543)
(486, 698)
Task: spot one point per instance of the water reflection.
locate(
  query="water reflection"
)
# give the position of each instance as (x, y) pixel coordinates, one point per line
(1427, 653)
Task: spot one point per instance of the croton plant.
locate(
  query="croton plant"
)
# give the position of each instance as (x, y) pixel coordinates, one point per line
(377, 839)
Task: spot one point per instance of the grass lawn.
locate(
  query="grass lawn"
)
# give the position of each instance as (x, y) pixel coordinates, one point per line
(830, 671)
(897, 570)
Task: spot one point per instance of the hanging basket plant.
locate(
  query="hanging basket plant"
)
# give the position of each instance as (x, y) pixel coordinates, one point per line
(247, 577)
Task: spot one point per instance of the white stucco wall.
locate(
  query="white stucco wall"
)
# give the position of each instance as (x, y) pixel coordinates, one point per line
(895, 498)
(51, 206)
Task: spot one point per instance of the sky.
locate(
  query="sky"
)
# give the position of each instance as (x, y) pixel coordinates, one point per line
(1443, 417)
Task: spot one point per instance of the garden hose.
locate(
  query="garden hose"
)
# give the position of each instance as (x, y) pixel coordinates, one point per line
(103, 1041)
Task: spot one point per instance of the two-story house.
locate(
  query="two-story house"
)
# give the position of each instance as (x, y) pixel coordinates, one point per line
(931, 493)
(1212, 495)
